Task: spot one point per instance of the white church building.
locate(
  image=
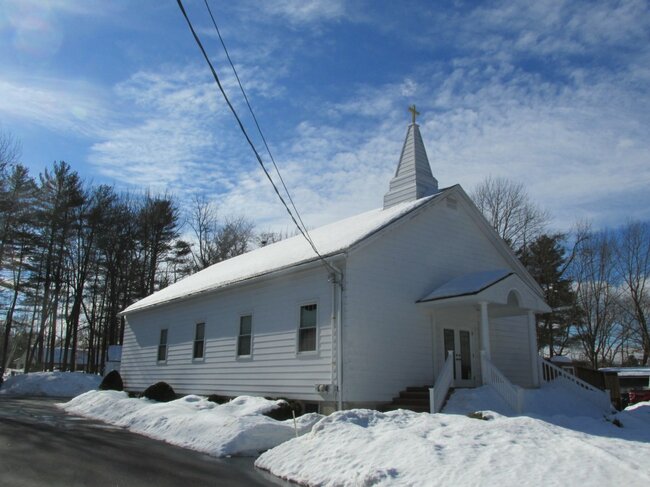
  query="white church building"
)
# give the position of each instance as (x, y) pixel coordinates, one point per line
(404, 285)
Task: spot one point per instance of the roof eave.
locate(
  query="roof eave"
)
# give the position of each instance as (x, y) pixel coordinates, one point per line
(305, 264)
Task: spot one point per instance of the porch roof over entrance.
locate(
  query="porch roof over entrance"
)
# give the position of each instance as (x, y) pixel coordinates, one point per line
(498, 287)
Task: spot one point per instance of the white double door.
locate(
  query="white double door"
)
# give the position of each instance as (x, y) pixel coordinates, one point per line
(462, 342)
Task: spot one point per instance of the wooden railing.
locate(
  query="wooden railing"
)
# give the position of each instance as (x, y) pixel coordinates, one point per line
(511, 394)
(438, 392)
(550, 372)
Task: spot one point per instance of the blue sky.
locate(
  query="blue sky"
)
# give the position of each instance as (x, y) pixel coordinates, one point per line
(549, 93)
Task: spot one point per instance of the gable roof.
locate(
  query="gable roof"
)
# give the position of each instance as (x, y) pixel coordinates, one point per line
(502, 247)
(330, 240)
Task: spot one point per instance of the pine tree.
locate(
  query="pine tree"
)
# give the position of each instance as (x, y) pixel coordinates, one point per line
(546, 260)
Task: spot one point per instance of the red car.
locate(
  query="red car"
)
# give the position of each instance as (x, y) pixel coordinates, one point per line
(639, 395)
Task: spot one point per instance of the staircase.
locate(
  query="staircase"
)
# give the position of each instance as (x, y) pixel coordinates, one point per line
(412, 398)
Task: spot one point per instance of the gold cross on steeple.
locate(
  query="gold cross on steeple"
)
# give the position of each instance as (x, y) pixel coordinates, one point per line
(414, 112)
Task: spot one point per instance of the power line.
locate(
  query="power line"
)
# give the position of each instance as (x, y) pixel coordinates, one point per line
(259, 130)
(248, 139)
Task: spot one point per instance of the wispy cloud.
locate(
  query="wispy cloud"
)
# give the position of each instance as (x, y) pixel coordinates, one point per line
(63, 106)
(305, 11)
(581, 148)
(552, 94)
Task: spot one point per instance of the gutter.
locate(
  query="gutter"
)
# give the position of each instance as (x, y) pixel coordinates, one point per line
(337, 305)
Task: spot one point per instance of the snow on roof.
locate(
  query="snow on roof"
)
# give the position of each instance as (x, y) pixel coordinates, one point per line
(467, 284)
(561, 359)
(329, 240)
(628, 371)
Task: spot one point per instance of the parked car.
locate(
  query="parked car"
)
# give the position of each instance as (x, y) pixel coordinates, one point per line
(639, 395)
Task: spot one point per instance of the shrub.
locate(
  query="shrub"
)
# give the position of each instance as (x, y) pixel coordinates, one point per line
(160, 391)
(284, 412)
(480, 415)
(218, 399)
(112, 382)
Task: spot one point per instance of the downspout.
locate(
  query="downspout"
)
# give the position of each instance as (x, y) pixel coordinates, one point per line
(337, 304)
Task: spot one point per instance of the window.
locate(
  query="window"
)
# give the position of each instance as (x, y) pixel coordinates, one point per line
(199, 340)
(307, 330)
(244, 339)
(162, 346)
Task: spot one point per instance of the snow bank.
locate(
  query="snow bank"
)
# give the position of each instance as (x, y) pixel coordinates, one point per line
(234, 428)
(365, 447)
(485, 398)
(640, 409)
(636, 416)
(56, 384)
(551, 400)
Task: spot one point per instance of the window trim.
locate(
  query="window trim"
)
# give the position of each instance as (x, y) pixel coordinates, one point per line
(195, 341)
(239, 335)
(316, 328)
(160, 344)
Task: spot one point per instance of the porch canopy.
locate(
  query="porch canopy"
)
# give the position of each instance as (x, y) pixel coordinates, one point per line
(505, 292)
(496, 293)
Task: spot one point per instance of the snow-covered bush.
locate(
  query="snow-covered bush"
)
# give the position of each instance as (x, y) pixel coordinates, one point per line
(285, 410)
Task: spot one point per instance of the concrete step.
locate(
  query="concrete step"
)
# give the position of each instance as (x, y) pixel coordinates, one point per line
(414, 398)
(418, 388)
(418, 408)
(424, 395)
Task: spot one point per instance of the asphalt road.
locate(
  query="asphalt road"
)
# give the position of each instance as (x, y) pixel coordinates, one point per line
(40, 445)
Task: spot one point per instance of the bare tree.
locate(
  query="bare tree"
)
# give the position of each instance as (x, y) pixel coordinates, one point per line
(204, 223)
(508, 208)
(593, 272)
(234, 238)
(217, 241)
(633, 263)
(269, 237)
(10, 150)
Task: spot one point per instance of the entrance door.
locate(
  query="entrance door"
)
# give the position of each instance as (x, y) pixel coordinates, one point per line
(459, 341)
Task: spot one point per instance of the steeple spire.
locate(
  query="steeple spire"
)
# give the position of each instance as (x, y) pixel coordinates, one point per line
(413, 179)
(414, 113)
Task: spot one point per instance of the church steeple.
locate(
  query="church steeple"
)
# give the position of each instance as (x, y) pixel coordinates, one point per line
(413, 179)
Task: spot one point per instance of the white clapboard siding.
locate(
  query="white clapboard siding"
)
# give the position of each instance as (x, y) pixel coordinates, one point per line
(510, 346)
(388, 339)
(274, 367)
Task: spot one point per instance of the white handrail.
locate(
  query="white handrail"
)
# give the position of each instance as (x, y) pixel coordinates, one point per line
(511, 394)
(438, 392)
(552, 372)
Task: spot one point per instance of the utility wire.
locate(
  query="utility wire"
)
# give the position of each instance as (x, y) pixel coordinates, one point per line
(259, 130)
(248, 139)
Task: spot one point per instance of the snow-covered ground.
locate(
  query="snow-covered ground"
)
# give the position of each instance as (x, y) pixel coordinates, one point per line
(235, 428)
(56, 384)
(366, 447)
(563, 439)
(550, 400)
